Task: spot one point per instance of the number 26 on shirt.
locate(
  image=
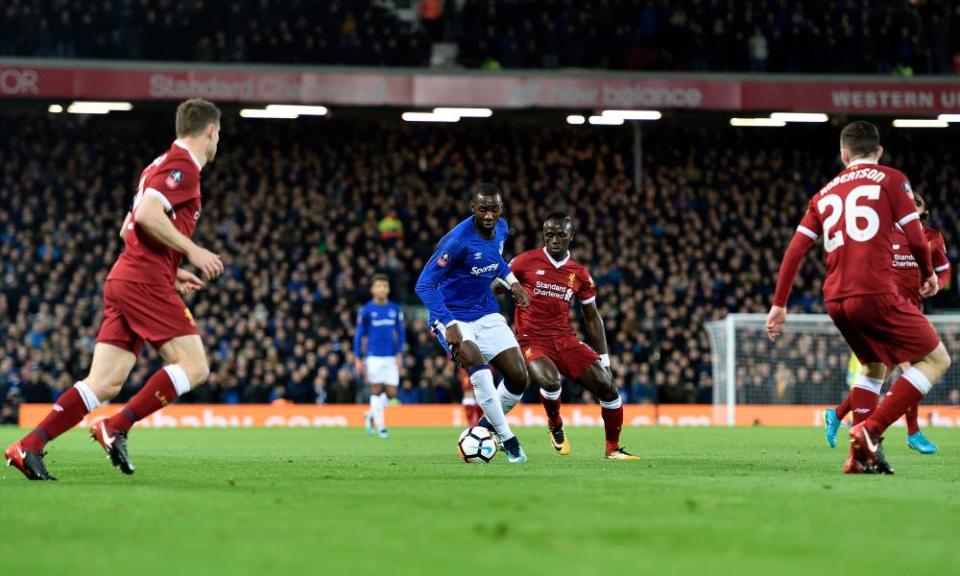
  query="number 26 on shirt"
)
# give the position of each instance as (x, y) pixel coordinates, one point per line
(852, 215)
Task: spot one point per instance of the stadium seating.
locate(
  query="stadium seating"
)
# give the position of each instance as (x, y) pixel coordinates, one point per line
(282, 205)
(698, 35)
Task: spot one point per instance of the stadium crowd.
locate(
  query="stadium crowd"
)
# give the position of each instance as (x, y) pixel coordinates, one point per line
(845, 36)
(305, 212)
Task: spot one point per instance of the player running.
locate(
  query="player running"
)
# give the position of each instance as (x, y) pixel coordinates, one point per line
(908, 284)
(455, 287)
(855, 213)
(548, 342)
(381, 322)
(142, 301)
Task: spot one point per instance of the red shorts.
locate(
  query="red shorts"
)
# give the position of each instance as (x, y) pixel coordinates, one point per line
(134, 313)
(571, 356)
(913, 298)
(884, 328)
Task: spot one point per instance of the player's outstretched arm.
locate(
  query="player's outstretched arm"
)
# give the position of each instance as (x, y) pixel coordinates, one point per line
(596, 334)
(428, 284)
(150, 216)
(799, 246)
(776, 319)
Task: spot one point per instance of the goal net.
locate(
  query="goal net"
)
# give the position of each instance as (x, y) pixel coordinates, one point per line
(810, 364)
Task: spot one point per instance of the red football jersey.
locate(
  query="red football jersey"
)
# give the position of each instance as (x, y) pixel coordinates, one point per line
(905, 265)
(173, 179)
(855, 213)
(552, 286)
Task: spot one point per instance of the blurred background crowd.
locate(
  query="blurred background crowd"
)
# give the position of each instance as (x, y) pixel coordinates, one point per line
(904, 37)
(304, 213)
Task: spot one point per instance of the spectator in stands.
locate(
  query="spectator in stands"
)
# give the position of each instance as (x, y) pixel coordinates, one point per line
(758, 51)
(833, 37)
(298, 223)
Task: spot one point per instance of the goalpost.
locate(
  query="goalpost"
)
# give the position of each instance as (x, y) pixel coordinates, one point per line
(808, 365)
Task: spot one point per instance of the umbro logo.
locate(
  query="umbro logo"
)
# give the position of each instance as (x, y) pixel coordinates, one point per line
(477, 255)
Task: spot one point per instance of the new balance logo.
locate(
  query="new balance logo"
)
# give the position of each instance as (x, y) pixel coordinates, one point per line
(57, 408)
(540, 272)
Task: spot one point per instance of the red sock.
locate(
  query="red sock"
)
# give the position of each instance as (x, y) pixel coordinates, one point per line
(863, 403)
(612, 423)
(902, 395)
(843, 408)
(155, 394)
(552, 407)
(474, 413)
(911, 417)
(67, 413)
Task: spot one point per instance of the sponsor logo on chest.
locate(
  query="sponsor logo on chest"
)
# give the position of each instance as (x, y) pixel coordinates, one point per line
(553, 290)
(481, 270)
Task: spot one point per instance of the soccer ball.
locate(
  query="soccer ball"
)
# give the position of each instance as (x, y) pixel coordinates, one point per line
(476, 445)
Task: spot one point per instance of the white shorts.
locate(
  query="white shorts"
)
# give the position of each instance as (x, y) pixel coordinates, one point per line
(382, 370)
(490, 333)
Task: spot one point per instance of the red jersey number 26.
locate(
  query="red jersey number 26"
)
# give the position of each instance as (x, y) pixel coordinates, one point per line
(852, 214)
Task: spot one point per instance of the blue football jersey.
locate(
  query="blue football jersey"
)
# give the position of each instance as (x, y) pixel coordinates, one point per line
(382, 324)
(455, 283)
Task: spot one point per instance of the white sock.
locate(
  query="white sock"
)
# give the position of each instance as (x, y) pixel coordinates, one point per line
(376, 410)
(918, 379)
(179, 378)
(384, 402)
(555, 395)
(613, 404)
(86, 394)
(507, 398)
(489, 400)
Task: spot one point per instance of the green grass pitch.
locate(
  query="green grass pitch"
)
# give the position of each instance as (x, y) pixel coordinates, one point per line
(313, 501)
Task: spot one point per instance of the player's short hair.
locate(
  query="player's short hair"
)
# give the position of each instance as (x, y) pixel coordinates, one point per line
(194, 115)
(485, 189)
(379, 278)
(557, 215)
(860, 138)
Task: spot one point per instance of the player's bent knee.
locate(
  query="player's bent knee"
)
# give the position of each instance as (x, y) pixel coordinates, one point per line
(943, 358)
(609, 392)
(469, 355)
(197, 373)
(517, 381)
(550, 384)
(104, 390)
